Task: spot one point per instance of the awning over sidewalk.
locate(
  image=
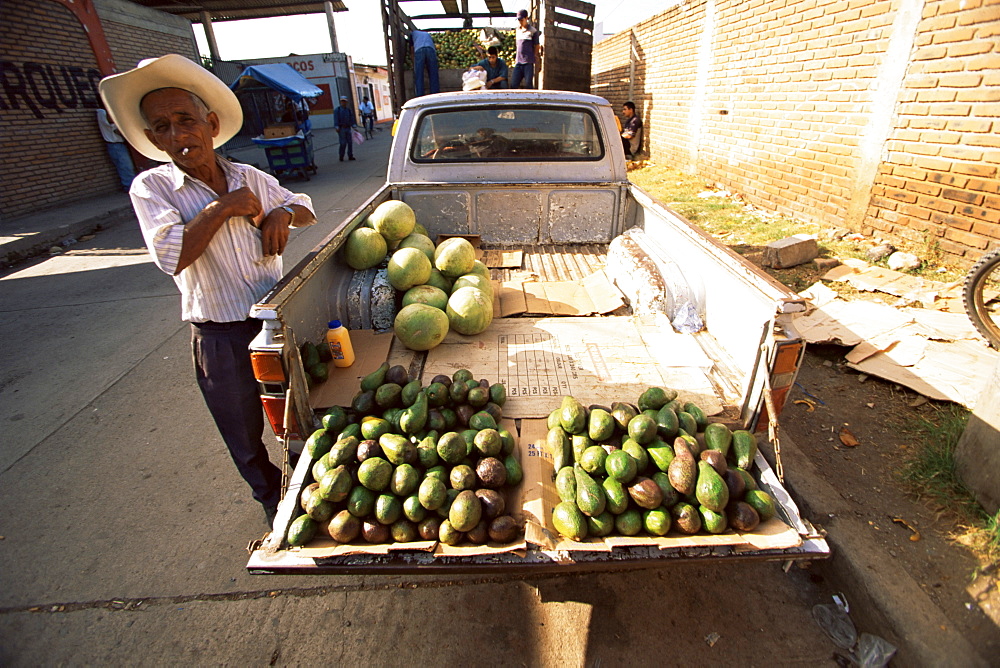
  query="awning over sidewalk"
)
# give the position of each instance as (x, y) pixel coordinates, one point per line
(278, 76)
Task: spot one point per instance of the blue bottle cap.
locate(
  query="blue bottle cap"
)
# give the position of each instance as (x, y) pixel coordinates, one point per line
(334, 324)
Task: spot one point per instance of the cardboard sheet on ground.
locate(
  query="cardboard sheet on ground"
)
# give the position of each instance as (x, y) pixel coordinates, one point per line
(931, 352)
(540, 497)
(371, 349)
(862, 276)
(596, 360)
(593, 294)
(947, 371)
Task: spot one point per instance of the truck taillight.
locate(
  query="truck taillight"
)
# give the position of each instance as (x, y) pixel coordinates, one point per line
(274, 408)
(267, 367)
(787, 359)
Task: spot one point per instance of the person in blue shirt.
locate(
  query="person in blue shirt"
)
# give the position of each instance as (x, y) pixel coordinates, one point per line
(529, 51)
(424, 58)
(344, 121)
(495, 68)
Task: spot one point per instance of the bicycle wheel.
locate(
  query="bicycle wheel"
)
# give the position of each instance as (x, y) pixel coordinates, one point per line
(982, 296)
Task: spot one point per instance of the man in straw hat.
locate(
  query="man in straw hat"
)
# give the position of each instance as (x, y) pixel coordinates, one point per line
(218, 228)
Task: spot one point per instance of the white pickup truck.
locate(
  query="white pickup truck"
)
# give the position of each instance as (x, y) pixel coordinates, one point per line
(543, 173)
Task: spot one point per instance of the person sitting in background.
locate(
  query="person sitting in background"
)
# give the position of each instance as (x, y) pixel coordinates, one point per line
(631, 130)
(495, 68)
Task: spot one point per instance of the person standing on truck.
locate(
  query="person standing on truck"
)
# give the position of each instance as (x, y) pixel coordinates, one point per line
(424, 58)
(631, 130)
(529, 51)
(495, 68)
(218, 228)
(368, 117)
(344, 121)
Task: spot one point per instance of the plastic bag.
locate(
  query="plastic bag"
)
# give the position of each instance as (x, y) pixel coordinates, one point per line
(357, 137)
(473, 79)
(488, 37)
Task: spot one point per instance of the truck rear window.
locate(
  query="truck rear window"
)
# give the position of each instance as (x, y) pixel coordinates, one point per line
(507, 134)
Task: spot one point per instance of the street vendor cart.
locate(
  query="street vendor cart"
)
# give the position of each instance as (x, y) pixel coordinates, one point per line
(282, 117)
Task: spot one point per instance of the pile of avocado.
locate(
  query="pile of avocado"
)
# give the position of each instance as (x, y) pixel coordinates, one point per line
(632, 468)
(407, 462)
(314, 359)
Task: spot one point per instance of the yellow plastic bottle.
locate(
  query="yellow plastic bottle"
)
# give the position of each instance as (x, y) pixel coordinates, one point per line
(339, 340)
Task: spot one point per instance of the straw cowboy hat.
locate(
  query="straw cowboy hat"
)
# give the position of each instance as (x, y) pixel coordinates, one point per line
(123, 92)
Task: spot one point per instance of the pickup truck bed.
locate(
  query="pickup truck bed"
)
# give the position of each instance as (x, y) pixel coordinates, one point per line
(568, 229)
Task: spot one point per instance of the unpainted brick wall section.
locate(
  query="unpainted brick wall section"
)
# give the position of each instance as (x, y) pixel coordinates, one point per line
(61, 158)
(940, 176)
(779, 100)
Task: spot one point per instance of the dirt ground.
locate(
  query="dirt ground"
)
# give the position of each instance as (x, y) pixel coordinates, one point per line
(911, 531)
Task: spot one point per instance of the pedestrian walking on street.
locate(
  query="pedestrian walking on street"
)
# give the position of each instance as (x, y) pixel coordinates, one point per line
(528, 40)
(368, 117)
(117, 149)
(424, 58)
(219, 228)
(344, 121)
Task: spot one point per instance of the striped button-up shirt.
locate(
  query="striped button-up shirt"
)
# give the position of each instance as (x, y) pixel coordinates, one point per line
(233, 273)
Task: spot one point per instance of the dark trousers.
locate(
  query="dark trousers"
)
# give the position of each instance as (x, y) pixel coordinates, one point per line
(425, 59)
(225, 376)
(346, 142)
(523, 72)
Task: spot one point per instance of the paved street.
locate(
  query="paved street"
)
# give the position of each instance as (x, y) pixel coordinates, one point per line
(124, 522)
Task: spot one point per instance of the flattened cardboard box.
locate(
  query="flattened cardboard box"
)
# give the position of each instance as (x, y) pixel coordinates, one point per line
(540, 497)
(596, 360)
(323, 547)
(593, 294)
(371, 349)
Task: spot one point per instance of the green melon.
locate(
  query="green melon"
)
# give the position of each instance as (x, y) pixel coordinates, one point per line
(426, 294)
(454, 257)
(480, 269)
(365, 248)
(470, 311)
(420, 229)
(420, 242)
(474, 281)
(420, 327)
(393, 219)
(440, 281)
(408, 267)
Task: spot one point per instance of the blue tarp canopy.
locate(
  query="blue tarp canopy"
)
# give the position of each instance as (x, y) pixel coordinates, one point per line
(278, 76)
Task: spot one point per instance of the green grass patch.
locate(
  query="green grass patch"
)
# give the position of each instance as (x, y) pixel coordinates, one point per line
(931, 473)
(747, 229)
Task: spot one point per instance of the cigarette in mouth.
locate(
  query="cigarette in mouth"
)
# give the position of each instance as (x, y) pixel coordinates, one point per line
(185, 151)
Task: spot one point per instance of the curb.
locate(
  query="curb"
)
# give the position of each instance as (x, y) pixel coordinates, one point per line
(884, 599)
(29, 245)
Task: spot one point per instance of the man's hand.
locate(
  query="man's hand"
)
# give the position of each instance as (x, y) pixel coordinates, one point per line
(241, 202)
(274, 232)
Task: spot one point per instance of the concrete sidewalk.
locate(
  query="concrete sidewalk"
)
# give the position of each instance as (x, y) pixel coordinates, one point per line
(32, 235)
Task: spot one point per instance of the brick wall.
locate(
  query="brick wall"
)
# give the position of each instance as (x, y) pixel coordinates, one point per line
(867, 114)
(130, 44)
(940, 174)
(52, 151)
